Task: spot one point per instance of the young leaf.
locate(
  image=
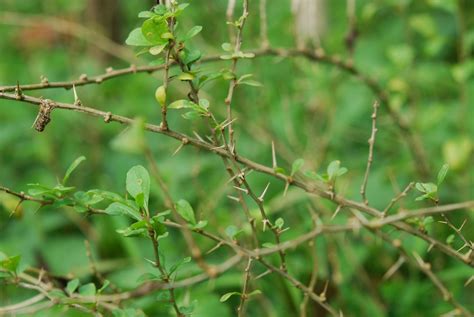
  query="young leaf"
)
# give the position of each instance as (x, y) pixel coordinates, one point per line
(160, 95)
(186, 211)
(226, 296)
(138, 182)
(193, 32)
(201, 224)
(153, 29)
(136, 38)
(180, 104)
(227, 47)
(72, 285)
(138, 228)
(333, 168)
(104, 286)
(87, 290)
(450, 239)
(145, 14)
(156, 50)
(11, 263)
(279, 223)
(72, 167)
(442, 173)
(315, 176)
(118, 208)
(254, 292)
(186, 76)
(296, 166)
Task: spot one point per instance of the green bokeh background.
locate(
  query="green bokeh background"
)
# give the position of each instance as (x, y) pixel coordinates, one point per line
(419, 51)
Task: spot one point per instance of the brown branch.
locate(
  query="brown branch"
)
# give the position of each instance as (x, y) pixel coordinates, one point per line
(371, 153)
(308, 187)
(414, 145)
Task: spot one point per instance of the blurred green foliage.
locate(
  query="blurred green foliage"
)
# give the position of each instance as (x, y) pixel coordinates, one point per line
(419, 51)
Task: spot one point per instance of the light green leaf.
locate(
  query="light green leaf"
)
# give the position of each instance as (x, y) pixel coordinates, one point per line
(87, 290)
(181, 104)
(72, 285)
(296, 166)
(254, 292)
(193, 32)
(442, 173)
(227, 47)
(279, 223)
(138, 182)
(157, 49)
(186, 211)
(186, 76)
(136, 38)
(226, 296)
(119, 208)
(72, 167)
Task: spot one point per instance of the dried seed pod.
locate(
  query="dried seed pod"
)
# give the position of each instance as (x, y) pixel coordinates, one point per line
(44, 115)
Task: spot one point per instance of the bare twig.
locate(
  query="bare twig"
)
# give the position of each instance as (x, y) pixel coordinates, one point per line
(371, 154)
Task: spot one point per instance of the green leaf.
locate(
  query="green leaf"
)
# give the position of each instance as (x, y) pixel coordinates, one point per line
(190, 56)
(227, 47)
(145, 277)
(72, 286)
(153, 29)
(251, 82)
(193, 32)
(201, 224)
(138, 228)
(11, 263)
(138, 182)
(72, 167)
(87, 290)
(145, 14)
(176, 266)
(157, 49)
(254, 292)
(181, 104)
(296, 166)
(136, 38)
(333, 168)
(186, 76)
(428, 188)
(341, 171)
(232, 231)
(186, 211)
(428, 220)
(118, 208)
(450, 239)
(226, 296)
(268, 245)
(279, 223)
(442, 173)
(279, 170)
(315, 176)
(104, 286)
(160, 95)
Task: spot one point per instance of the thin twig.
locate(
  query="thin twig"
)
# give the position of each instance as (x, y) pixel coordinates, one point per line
(371, 153)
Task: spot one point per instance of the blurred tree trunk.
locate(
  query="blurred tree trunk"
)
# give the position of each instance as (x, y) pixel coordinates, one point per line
(104, 16)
